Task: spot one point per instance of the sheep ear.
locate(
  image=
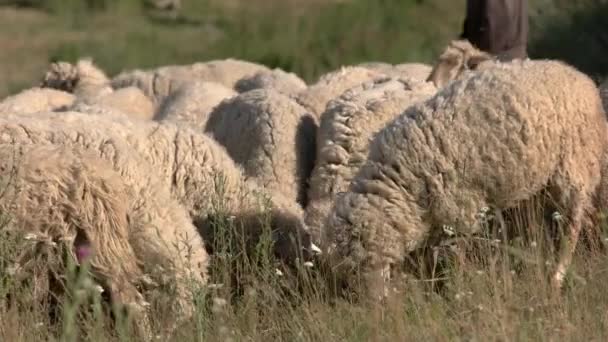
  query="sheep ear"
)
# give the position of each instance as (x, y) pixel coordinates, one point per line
(445, 70)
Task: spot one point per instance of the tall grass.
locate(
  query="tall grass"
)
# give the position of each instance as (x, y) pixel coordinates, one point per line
(489, 287)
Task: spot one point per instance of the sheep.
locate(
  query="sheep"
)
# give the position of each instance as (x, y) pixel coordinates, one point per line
(194, 168)
(332, 85)
(346, 128)
(270, 136)
(417, 71)
(91, 86)
(159, 83)
(286, 83)
(59, 197)
(163, 225)
(457, 58)
(192, 103)
(36, 99)
(492, 139)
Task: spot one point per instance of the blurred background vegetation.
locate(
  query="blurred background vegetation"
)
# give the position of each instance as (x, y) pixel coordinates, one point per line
(308, 37)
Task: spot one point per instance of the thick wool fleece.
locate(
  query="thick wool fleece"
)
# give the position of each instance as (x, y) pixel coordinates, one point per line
(347, 127)
(271, 137)
(492, 139)
(192, 103)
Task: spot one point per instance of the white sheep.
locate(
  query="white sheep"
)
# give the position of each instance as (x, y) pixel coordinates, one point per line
(161, 227)
(332, 85)
(67, 199)
(192, 103)
(271, 137)
(492, 139)
(285, 82)
(346, 128)
(36, 99)
(160, 82)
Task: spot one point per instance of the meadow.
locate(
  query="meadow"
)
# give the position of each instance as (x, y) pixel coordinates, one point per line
(490, 288)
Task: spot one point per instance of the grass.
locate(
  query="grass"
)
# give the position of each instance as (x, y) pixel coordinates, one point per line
(486, 288)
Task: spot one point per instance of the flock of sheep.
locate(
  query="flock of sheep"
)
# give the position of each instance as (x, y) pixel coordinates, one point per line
(357, 170)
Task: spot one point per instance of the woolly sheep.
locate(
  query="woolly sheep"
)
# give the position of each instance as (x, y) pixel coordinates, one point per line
(36, 100)
(416, 71)
(189, 164)
(159, 83)
(284, 82)
(192, 103)
(494, 138)
(63, 197)
(163, 225)
(332, 85)
(458, 57)
(346, 128)
(271, 137)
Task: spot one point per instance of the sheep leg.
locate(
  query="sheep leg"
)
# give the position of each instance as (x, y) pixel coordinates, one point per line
(376, 282)
(568, 243)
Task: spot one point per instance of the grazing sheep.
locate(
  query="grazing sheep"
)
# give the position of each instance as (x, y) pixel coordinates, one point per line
(332, 85)
(64, 197)
(271, 137)
(161, 226)
(417, 71)
(192, 103)
(92, 87)
(346, 128)
(159, 83)
(458, 57)
(36, 100)
(192, 166)
(492, 139)
(285, 82)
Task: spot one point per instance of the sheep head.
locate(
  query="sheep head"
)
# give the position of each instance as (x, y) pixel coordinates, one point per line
(458, 57)
(290, 238)
(68, 77)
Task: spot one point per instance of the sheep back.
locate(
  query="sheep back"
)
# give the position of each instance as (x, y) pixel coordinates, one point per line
(279, 138)
(192, 103)
(346, 128)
